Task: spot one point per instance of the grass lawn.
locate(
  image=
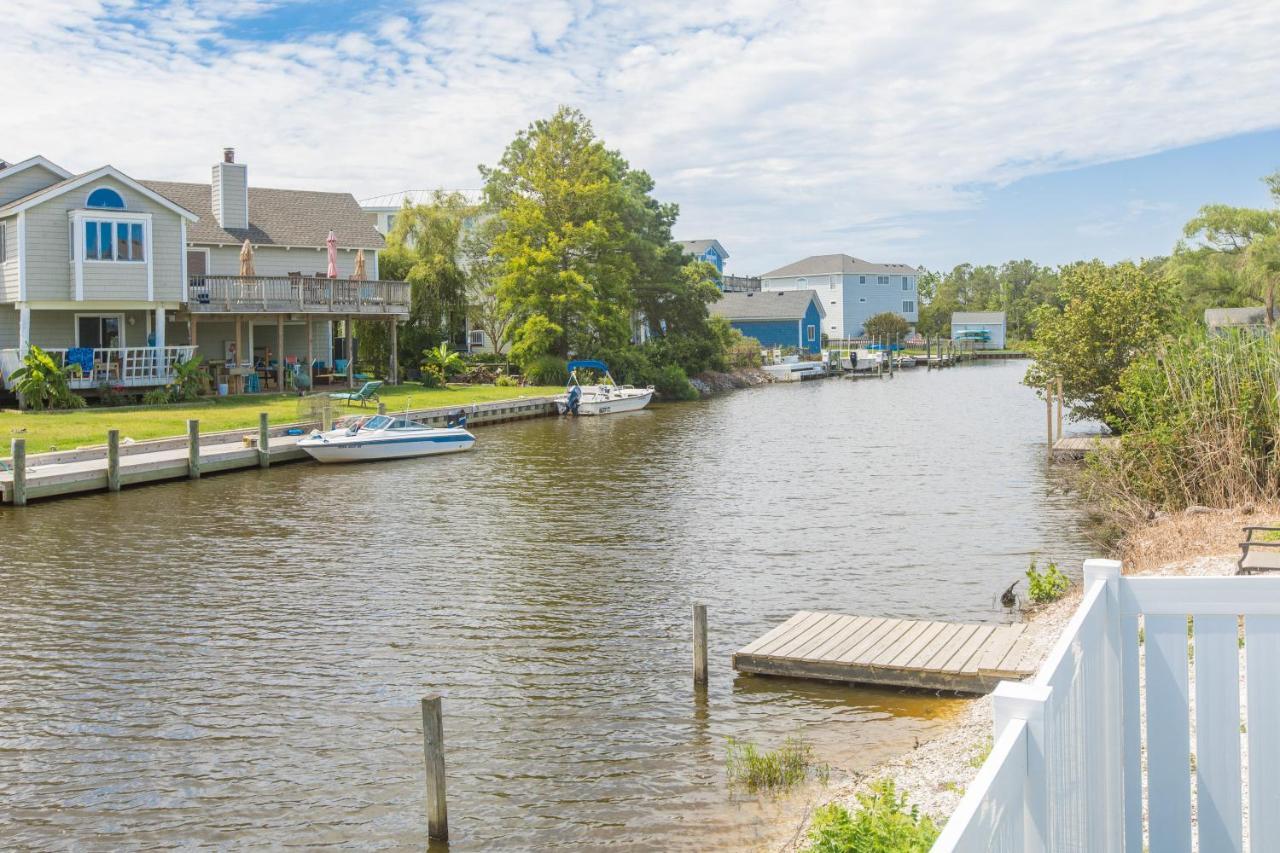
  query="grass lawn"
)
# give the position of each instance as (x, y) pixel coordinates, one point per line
(68, 430)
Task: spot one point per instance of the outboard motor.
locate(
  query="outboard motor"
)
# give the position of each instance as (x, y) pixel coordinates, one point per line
(458, 420)
(571, 402)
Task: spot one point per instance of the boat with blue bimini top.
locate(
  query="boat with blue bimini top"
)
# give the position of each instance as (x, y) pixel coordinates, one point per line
(606, 398)
(387, 437)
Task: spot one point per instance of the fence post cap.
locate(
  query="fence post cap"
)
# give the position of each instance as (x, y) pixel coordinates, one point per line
(1101, 570)
(1019, 700)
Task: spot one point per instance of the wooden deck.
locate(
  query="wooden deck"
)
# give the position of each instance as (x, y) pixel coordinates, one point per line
(1076, 446)
(967, 658)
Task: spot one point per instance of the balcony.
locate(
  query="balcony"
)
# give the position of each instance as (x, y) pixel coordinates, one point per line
(259, 294)
(117, 367)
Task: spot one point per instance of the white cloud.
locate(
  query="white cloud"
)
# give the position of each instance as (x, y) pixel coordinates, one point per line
(781, 128)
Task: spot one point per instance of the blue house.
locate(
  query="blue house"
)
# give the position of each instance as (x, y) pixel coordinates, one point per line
(778, 318)
(706, 250)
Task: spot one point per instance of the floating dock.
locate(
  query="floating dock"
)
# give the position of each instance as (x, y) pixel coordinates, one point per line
(967, 658)
(68, 472)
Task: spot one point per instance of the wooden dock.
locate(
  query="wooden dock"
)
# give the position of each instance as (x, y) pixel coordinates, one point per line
(68, 472)
(1076, 446)
(967, 658)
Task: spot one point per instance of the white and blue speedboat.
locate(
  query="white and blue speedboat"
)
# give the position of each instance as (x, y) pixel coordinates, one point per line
(606, 398)
(387, 437)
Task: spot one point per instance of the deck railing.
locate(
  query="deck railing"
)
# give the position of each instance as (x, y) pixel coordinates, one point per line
(123, 367)
(1066, 771)
(248, 294)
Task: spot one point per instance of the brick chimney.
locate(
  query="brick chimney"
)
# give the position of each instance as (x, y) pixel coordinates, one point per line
(231, 191)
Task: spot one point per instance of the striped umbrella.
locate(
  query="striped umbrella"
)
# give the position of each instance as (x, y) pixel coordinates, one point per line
(332, 242)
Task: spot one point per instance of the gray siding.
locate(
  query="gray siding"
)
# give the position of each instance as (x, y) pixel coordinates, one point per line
(8, 327)
(9, 261)
(21, 184)
(230, 187)
(57, 329)
(50, 275)
(274, 260)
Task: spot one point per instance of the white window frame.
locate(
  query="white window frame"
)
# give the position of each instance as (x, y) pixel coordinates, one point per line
(99, 315)
(906, 283)
(4, 242)
(811, 332)
(862, 279)
(208, 261)
(905, 309)
(882, 279)
(78, 218)
(115, 221)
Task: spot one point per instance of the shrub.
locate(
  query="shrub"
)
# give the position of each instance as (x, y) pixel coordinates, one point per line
(673, 384)
(886, 324)
(1048, 586)
(111, 395)
(432, 376)
(447, 362)
(485, 358)
(1200, 420)
(742, 352)
(157, 397)
(546, 370)
(43, 383)
(883, 823)
(504, 381)
(788, 765)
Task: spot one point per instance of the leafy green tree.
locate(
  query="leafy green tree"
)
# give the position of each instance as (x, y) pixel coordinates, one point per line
(886, 324)
(1109, 316)
(486, 309)
(582, 245)
(443, 359)
(1248, 240)
(425, 249)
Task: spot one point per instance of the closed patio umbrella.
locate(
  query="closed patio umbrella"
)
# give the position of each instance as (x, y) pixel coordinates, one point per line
(246, 258)
(359, 274)
(332, 242)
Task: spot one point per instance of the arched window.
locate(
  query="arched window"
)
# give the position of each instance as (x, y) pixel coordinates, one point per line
(105, 197)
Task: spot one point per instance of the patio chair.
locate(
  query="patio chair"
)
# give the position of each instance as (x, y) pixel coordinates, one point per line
(1258, 555)
(368, 393)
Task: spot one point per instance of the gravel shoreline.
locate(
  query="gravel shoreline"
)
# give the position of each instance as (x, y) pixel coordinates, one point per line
(937, 772)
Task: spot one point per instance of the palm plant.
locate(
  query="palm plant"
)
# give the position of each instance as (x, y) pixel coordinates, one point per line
(43, 383)
(447, 362)
(190, 379)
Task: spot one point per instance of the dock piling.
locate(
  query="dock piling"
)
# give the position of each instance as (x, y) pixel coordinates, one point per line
(1048, 419)
(193, 449)
(1059, 407)
(264, 441)
(433, 747)
(699, 644)
(113, 460)
(382, 408)
(19, 454)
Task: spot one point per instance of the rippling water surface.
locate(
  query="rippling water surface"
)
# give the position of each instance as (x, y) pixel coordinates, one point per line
(238, 661)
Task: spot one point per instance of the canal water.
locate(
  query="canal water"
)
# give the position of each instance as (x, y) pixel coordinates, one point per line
(239, 661)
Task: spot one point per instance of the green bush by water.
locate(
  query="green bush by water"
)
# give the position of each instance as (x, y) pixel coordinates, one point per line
(546, 370)
(1049, 585)
(884, 822)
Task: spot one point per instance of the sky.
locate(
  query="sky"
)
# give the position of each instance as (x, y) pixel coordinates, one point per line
(919, 132)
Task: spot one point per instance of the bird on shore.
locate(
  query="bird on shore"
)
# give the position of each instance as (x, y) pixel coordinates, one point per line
(1007, 598)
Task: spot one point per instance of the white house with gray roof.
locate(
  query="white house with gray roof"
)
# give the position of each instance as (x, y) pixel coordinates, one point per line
(850, 289)
(127, 278)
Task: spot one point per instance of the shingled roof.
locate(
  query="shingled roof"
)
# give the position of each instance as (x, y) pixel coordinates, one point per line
(826, 264)
(300, 218)
(766, 305)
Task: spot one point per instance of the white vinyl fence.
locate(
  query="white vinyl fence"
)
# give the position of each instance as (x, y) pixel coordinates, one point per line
(1074, 764)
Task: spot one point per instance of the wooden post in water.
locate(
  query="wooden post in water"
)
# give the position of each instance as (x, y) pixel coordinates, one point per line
(113, 460)
(264, 442)
(1048, 418)
(699, 644)
(19, 453)
(193, 449)
(1059, 407)
(433, 748)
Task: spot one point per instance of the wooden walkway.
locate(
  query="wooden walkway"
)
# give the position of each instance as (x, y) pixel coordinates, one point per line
(68, 472)
(967, 658)
(1076, 446)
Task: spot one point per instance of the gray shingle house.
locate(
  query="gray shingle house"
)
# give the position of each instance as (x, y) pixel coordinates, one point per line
(127, 278)
(1250, 319)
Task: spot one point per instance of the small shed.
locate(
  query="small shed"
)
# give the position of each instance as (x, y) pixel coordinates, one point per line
(982, 329)
(776, 318)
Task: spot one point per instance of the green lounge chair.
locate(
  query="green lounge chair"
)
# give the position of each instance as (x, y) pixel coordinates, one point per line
(367, 393)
